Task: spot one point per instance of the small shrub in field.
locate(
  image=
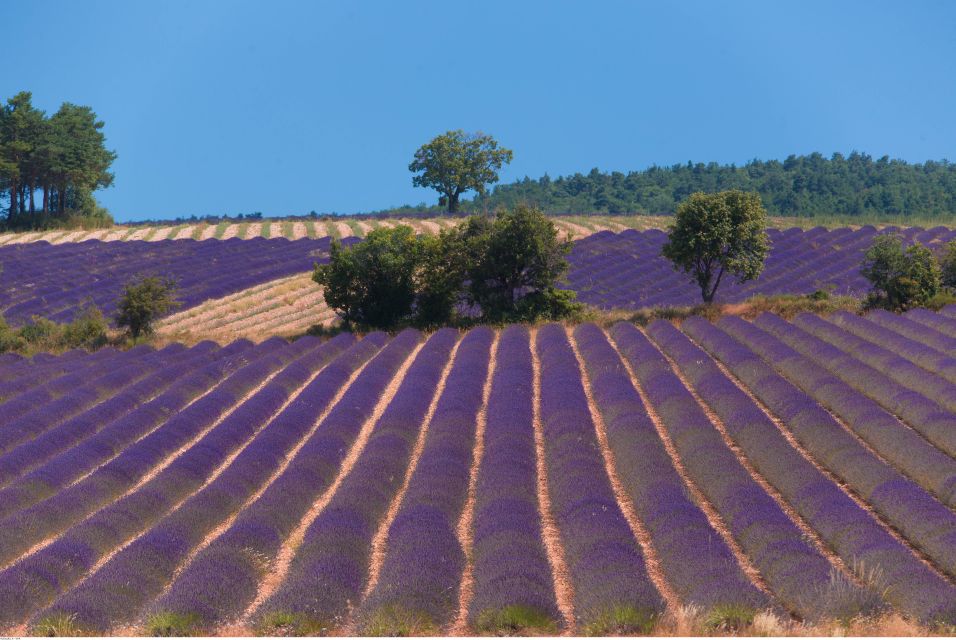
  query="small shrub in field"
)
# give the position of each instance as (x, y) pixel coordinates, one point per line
(143, 302)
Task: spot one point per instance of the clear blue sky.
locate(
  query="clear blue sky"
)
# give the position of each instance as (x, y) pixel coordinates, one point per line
(282, 107)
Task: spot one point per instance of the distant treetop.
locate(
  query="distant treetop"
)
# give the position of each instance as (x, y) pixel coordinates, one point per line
(799, 186)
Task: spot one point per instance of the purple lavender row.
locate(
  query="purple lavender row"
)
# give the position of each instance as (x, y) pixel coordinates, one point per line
(795, 572)
(424, 561)
(513, 584)
(782, 467)
(112, 439)
(901, 375)
(909, 508)
(16, 379)
(101, 601)
(38, 450)
(713, 580)
(852, 532)
(870, 402)
(72, 554)
(612, 590)
(223, 579)
(22, 426)
(331, 567)
(20, 405)
(915, 351)
(932, 329)
(21, 530)
(939, 322)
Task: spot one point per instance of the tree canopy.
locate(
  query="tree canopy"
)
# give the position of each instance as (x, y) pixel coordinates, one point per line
(456, 162)
(718, 233)
(501, 269)
(63, 156)
(810, 185)
(900, 279)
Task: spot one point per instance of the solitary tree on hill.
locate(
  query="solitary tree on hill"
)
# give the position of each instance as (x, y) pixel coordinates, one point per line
(456, 162)
(718, 233)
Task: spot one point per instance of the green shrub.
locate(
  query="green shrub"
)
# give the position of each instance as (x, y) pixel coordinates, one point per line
(900, 279)
(143, 301)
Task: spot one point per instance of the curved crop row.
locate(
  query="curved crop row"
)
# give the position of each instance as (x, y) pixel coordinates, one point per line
(224, 578)
(513, 585)
(101, 600)
(611, 587)
(331, 566)
(417, 584)
(922, 519)
(870, 401)
(713, 580)
(795, 572)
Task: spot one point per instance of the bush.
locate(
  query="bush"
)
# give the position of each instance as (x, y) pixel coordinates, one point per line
(87, 331)
(143, 302)
(948, 265)
(900, 279)
(512, 264)
(501, 269)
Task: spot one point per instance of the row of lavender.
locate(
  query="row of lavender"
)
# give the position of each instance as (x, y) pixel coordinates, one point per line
(626, 270)
(315, 487)
(54, 280)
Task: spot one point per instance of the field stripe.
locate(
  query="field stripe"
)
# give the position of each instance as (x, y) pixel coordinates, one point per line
(713, 517)
(563, 589)
(466, 523)
(641, 534)
(280, 567)
(822, 547)
(380, 539)
(839, 482)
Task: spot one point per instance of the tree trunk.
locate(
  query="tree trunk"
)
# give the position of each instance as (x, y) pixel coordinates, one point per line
(453, 202)
(60, 198)
(13, 199)
(33, 188)
(46, 198)
(23, 193)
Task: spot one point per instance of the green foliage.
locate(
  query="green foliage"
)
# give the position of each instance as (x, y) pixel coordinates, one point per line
(718, 233)
(394, 278)
(515, 620)
(63, 156)
(172, 625)
(456, 162)
(948, 266)
(88, 330)
(850, 186)
(900, 279)
(372, 284)
(512, 264)
(143, 302)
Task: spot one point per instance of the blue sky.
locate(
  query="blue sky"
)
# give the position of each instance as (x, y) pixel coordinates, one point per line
(286, 107)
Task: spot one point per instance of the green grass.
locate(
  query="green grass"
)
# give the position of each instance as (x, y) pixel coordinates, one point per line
(287, 229)
(283, 623)
(622, 620)
(241, 231)
(58, 625)
(172, 625)
(310, 228)
(398, 623)
(221, 229)
(515, 620)
(729, 617)
(266, 229)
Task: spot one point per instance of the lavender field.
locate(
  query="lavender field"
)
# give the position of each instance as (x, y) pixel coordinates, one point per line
(626, 270)
(514, 480)
(55, 280)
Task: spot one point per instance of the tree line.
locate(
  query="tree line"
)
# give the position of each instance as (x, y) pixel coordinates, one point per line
(51, 165)
(810, 185)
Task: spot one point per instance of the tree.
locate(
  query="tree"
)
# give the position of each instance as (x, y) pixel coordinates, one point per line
(718, 233)
(513, 264)
(144, 300)
(455, 162)
(900, 278)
